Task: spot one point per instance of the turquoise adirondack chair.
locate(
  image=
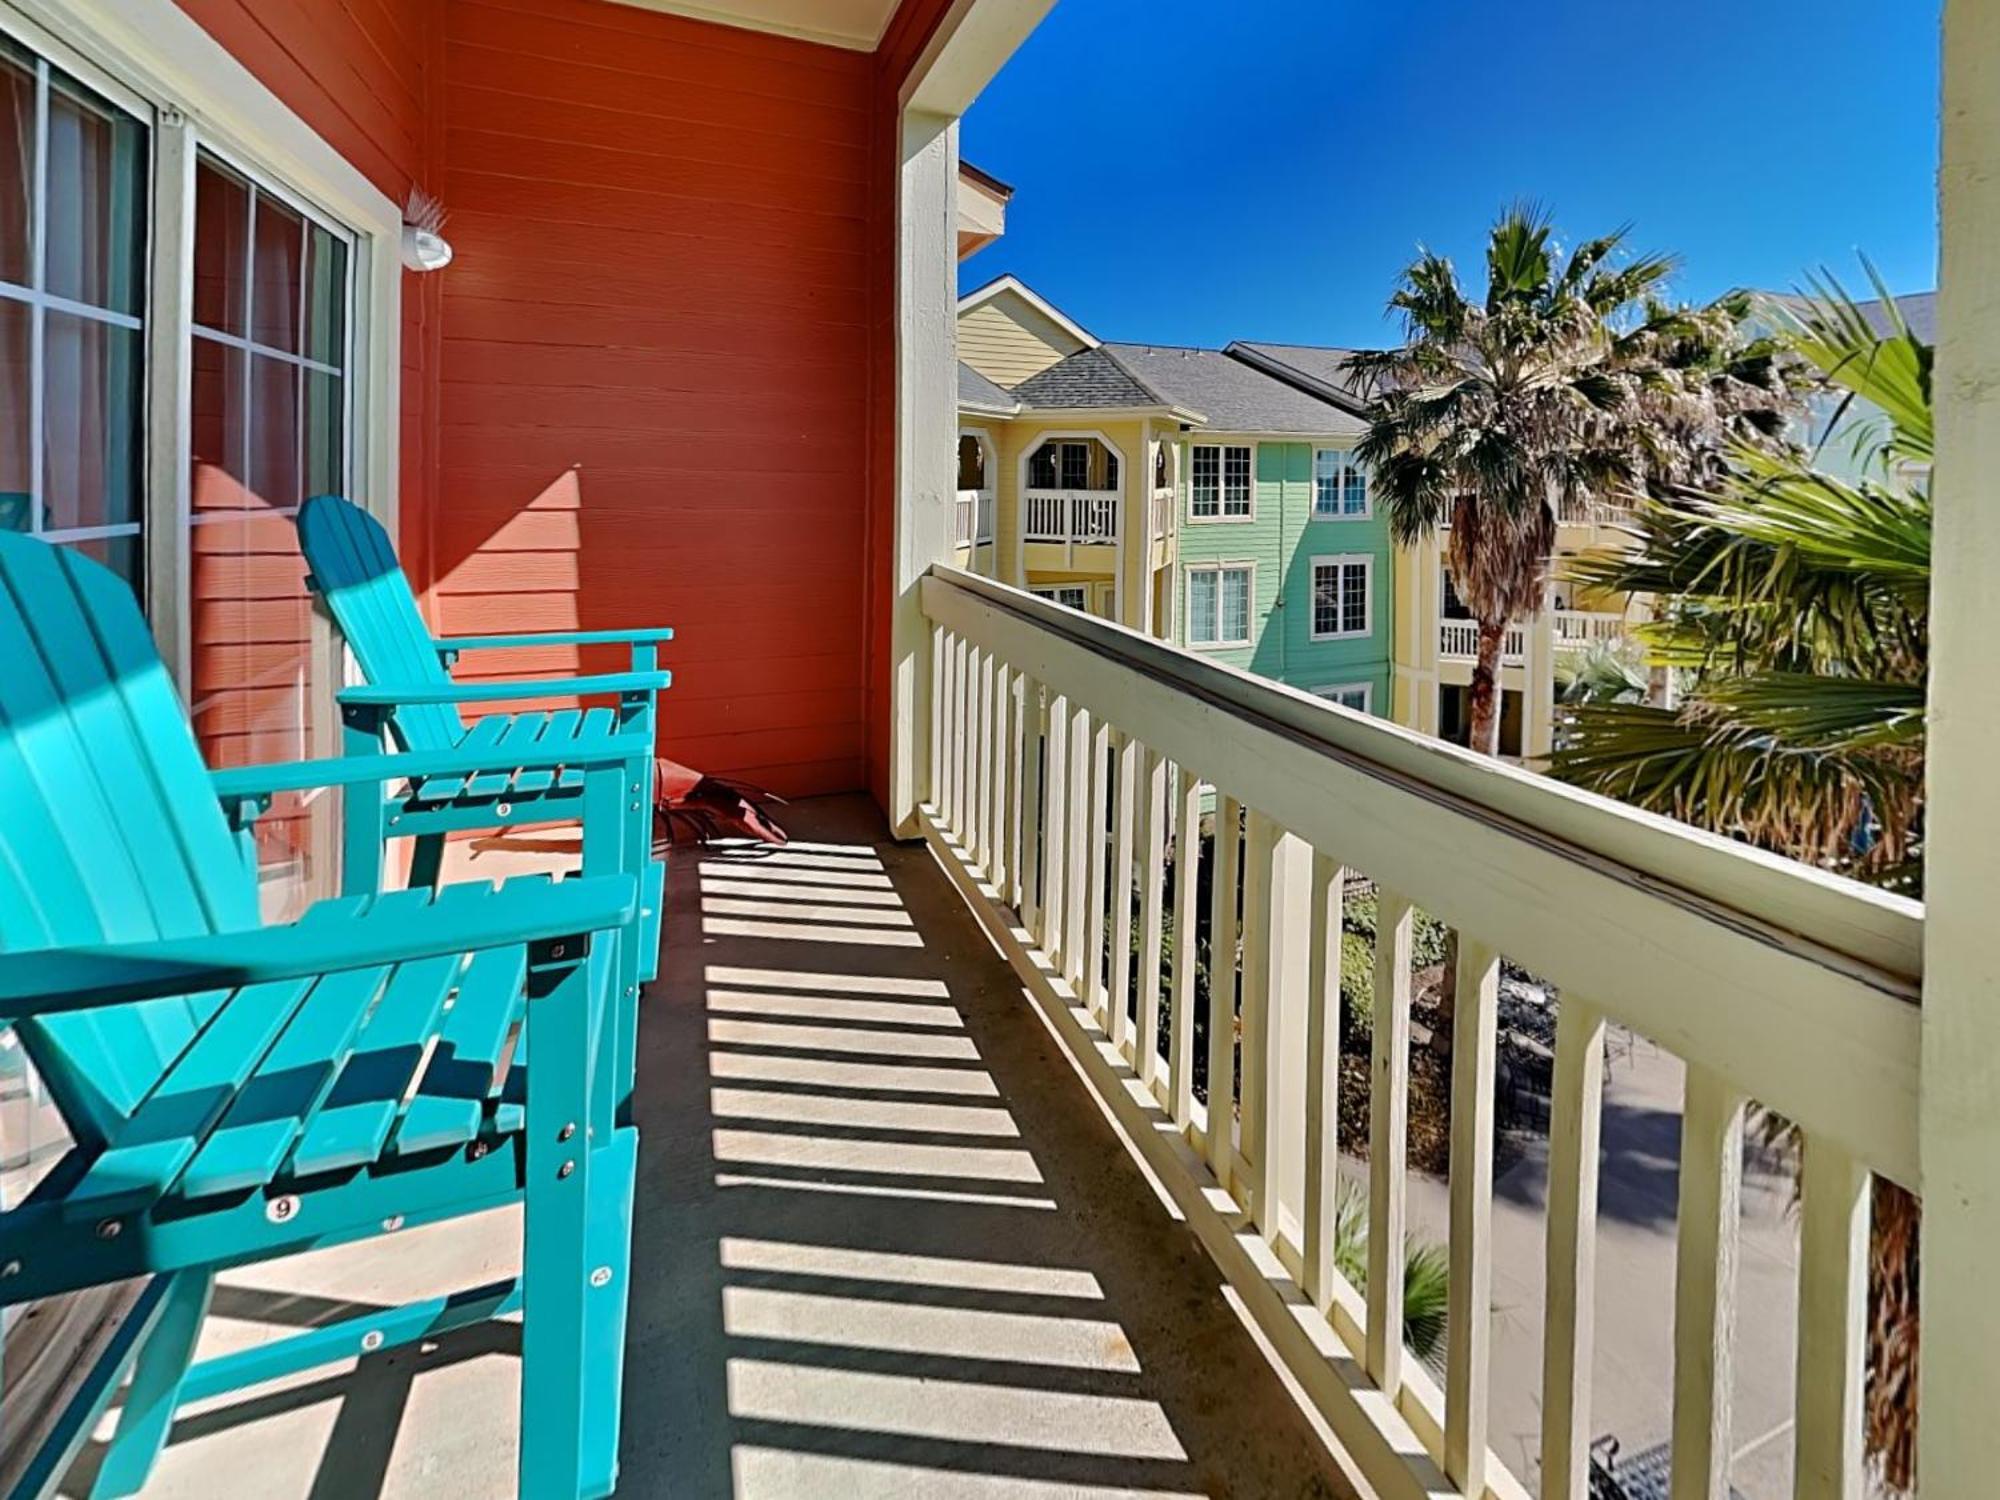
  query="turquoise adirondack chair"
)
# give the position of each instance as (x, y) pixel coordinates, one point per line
(411, 697)
(239, 1092)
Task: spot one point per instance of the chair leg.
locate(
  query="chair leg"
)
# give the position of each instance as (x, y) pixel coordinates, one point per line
(426, 861)
(555, 1281)
(155, 1389)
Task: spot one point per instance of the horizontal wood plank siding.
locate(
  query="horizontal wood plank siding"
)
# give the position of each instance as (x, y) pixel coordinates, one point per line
(650, 403)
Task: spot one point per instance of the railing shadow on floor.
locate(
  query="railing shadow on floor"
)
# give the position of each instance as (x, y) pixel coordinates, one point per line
(884, 1237)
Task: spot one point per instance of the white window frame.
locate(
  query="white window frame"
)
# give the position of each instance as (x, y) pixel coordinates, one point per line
(1333, 692)
(1343, 561)
(1188, 571)
(1223, 515)
(1053, 592)
(1346, 464)
(190, 92)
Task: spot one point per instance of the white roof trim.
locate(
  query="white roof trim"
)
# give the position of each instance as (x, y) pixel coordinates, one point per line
(857, 25)
(1014, 284)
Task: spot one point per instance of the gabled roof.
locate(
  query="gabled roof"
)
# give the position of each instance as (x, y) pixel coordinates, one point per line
(1088, 378)
(1234, 395)
(1318, 369)
(1013, 285)
(978, 394)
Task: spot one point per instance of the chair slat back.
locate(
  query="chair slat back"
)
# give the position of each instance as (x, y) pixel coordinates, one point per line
(354, 567)
(109, 829)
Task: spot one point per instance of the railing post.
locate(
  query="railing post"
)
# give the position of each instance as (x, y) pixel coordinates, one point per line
(1130, 827)
(1222, 991)
(1833, 1330)
(1711, 1196)
(1055, 837)
(1187, 890)
(1469, 1335)
(1077, 853)
(1322, 1075)
(1028, 810)
(1152, 898)
(1388, 1138)
(1095, 996)
(1575, 1122)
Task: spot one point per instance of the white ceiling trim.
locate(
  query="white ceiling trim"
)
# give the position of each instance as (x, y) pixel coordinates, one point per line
(854, 24)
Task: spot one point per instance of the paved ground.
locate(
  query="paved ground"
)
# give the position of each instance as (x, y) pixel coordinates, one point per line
(886, 1245)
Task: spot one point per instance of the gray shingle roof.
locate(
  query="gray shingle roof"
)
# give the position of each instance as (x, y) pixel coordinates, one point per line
(977, 393)
(1233, 395)
(1090, 377)
(1317, 367)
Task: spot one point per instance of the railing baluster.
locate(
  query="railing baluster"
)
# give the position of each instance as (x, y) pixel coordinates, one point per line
(1055, 835)
(1077, 882)
(1469, 1333)
(1024, 788)
(1575, 1120)
(1833, 1311)
(979, 722)
(1129, 829)
(1152, 896)
(1187, 890)
(1095, 997)
(1005, 759)
(1705, 1284)
(1388, 1138)
(963, 662)
(1260, 840)
(940, 646)
(1222, 991)
(1322, 1078)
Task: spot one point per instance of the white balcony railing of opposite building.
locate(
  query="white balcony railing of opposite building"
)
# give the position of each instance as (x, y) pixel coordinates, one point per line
(1072, 515)
(1163, 511)
(1772, 982)
(1583, 629)
(1458, 640)
(973, 517)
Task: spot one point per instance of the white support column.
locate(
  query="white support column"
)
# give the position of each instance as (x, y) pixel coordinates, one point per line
(1711, 1198)
(1833, 1324)
(1576, 1120)
(926, 429)
(1469, 1345)
(1322, 1080)
(1959, 1440)
(1388, 1137)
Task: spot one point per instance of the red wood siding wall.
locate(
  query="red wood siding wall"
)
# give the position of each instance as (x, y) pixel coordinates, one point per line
(662, 281)
(657, 382)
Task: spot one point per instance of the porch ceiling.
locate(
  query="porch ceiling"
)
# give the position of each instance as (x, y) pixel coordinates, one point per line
(858, 24)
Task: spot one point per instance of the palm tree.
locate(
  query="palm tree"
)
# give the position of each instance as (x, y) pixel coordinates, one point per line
(1795, 608)
(1571, 378)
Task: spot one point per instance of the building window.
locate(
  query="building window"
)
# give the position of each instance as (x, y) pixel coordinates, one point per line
(1069, 595)
(1218, 605)
(1341, 602)
(1355, 695)
(73, 207)
(1073, 464)
(1340, 486)
(1455, 717)
(1219, 482)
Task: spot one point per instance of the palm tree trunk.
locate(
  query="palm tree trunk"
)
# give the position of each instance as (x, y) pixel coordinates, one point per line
(1484, 694)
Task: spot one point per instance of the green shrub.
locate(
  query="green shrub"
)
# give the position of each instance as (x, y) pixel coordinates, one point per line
(1357, 981)
(1427, 937)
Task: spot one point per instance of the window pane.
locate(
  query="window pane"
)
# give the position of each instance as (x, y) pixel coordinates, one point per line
(1076, 466)
(1354, 598)
(1201, 606)
(17, 160)
(1235, 606)
(277, 257)
(325, 435)
(90, 422)
(1357, 491)
(16, 512)
(326, 298)
(218, 425)
(118, 553)
(274, 431)
(221, 248)
(1326, 600)
(97, 200)
(1042, 468)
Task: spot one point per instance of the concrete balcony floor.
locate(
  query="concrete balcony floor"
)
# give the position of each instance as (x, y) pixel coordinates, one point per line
(886, 1244)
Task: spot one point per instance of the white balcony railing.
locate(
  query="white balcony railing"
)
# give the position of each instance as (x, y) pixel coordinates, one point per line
(1593, 513)
(1581, 629)
(1770, 981)
(973, 517)
(1458, 640)
(1072, 515)
(1163, 511)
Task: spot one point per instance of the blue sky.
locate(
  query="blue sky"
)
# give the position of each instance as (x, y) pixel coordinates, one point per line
(1192, 171)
